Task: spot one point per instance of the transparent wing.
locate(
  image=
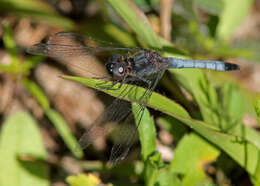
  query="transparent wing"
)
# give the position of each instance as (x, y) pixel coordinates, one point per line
(124, 128)
(69, 47)
(114, 115)
(128, 131)
(68, 44)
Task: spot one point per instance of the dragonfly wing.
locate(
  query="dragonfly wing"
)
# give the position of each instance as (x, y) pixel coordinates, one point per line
(107, 123)
(126, 136)
(77, 51)
(73, 51)
(114, 114)
(72, 44)
(62, 44)
(127, 132)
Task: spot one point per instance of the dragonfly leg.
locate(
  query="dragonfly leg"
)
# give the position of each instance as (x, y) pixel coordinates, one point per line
(128, 54)
(110, 86)
(102, 78)
(118, 88)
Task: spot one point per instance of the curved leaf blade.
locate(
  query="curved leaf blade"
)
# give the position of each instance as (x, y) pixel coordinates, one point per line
(242, 151)
(64, 131)
(137, 20)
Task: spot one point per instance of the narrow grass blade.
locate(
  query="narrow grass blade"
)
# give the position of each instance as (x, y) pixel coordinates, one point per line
(57, 120)
(137, 20)
(64, 131)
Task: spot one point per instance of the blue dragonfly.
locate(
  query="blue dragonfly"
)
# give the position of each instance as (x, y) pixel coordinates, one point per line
(135, 66)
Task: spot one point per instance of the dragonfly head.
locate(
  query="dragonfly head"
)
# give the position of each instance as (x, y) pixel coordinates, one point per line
(116, 67)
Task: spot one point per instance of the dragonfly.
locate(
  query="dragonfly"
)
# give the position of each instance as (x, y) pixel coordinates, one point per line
(125, 66)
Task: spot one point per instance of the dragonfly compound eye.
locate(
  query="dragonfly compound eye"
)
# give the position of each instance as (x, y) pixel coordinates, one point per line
(109, 67)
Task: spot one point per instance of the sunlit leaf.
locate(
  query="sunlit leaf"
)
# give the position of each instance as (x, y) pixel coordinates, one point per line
(83, 180)
(205, 94)
(190, 157)
(21, 136)
(214, 7)
(234, 13)
(147, 132)
(242, 151)
(137, 20)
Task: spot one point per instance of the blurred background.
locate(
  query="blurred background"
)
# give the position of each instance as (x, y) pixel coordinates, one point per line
(207, 133)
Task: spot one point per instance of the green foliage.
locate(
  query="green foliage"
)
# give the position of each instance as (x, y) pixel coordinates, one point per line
(155, 172)
(57, 120)
(147, 131)
(18, 68)
(217, 124)
(64, 131)
(257, 107)
(138, 21)
(37, 93)
(191, 156)
(20, 137)
(231, 144)
(214, 7)
(234, 12)
(84, 180)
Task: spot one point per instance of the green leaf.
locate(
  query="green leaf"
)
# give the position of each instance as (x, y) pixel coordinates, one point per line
(147, 5)
(122, 170)
(37, 93)
(256, 177)
(9, 41)
(165, 103)
(58, 121)
(119, 35)
(227, 118)
(137, 20)
(234, 13)
(156, 173)
(241, 150)
(196, 83)
(32, 61)
(190, 157)
(214, 7)
(21, 136)
(257, 107)
(16, 67)
(64, 131)
(83, 180)
(167, 178)
(232, 101)
(147, 131)
(152, 168)
(174, 126)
